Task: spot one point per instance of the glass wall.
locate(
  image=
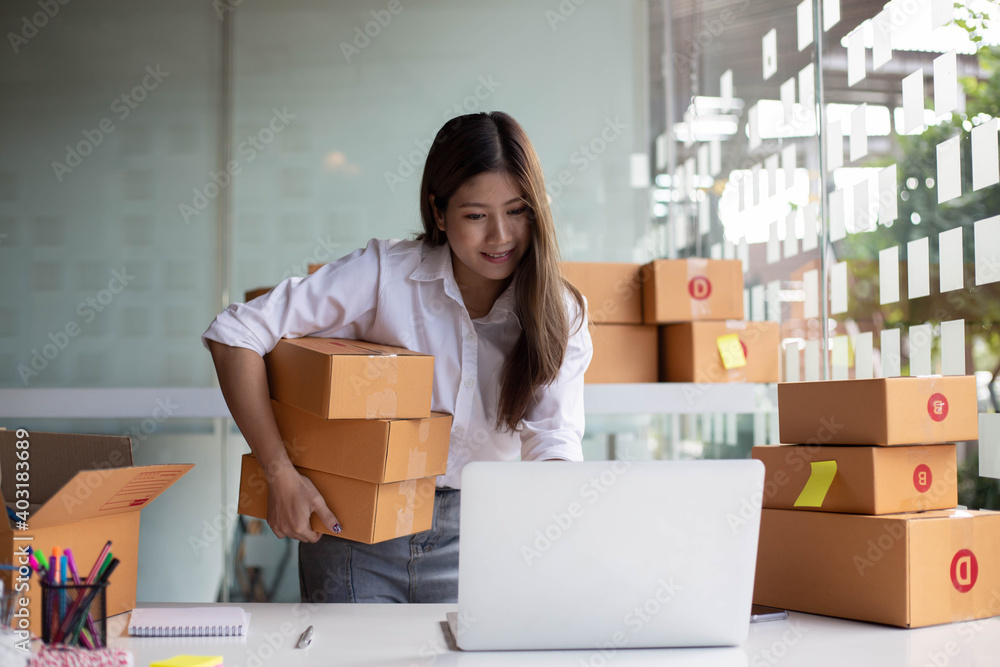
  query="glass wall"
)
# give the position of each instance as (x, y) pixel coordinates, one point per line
(110, 117)
(356, 93)
(846, 152)
(122, 234)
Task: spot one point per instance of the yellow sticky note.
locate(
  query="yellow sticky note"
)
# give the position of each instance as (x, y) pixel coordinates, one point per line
(189, 661)
(731, 351)
(820, 478)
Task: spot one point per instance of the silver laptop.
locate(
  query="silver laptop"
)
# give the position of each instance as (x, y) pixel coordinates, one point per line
(607, 555)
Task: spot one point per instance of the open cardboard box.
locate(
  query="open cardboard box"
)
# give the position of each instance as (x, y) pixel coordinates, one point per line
(348, 379)
(909, 570)
(82, 491)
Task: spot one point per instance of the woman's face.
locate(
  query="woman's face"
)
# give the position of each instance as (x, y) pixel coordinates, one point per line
(488, 227)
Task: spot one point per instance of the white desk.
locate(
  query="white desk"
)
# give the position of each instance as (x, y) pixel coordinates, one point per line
(416, 636)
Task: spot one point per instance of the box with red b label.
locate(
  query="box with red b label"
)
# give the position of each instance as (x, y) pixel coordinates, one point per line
(921, 410)
(909, 570)
(859, 480)
(686, 290)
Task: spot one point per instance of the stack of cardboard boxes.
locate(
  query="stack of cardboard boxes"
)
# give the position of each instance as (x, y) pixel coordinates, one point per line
(624, 347)
(355, 419)
(673, 321)
(859, 519)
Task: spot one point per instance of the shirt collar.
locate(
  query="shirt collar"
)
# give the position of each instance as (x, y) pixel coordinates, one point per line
(436, 265)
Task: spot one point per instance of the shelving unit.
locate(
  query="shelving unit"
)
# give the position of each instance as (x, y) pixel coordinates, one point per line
(187, 402)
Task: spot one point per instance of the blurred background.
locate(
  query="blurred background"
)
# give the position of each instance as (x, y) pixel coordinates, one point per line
(162, 158)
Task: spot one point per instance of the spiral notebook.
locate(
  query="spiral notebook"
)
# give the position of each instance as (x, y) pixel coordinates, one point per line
(189, 622)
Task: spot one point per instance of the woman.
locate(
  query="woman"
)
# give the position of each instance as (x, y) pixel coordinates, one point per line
(481, 290)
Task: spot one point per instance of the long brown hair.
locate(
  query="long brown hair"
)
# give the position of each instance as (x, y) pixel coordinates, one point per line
(494, 142)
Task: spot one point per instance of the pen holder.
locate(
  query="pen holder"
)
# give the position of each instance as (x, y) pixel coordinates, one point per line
(75, 615)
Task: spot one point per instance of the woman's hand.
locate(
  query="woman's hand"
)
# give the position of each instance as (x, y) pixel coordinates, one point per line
(291, 500)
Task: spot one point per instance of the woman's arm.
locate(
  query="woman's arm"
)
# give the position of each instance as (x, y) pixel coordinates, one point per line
(292, 498)
(340, 296)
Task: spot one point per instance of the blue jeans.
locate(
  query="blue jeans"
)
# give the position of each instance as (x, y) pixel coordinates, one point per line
(415, 568)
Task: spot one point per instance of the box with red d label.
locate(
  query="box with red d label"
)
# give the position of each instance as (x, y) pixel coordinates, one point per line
(909, 570)
(859, 480)
(685, 290)
(883, 411)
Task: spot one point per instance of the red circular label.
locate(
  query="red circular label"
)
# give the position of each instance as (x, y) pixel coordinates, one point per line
(937, 407)
(744, 346)
(699, 287)
(964, 570)
(922, 478)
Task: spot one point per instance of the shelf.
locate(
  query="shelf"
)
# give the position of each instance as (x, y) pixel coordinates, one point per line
(191, 402)
(672, 398)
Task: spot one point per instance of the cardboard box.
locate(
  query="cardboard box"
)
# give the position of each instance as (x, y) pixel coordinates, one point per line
(367, 512)
(868, 480)
(883, 411)
(252, 294)
(684, 290)
(690, 352)
(622, 353)
(613, 290)
(313, 268)
(909, 570)
(375, 450)
(347, 379)
(82, 490)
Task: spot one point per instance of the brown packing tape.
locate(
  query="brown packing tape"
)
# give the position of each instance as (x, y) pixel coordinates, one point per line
(425, 430)
(404, 516)
(697, 284)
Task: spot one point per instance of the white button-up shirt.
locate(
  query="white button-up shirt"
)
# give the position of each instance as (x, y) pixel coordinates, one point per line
(403, 293)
